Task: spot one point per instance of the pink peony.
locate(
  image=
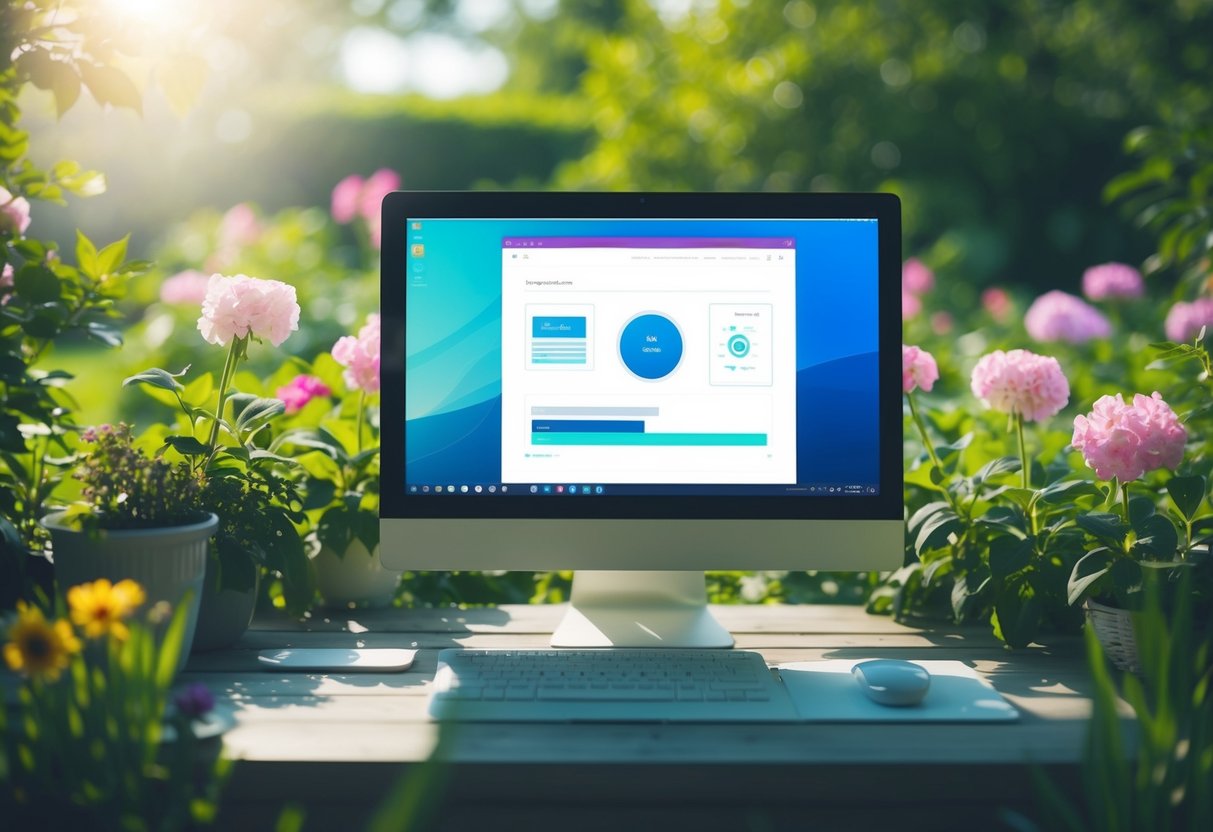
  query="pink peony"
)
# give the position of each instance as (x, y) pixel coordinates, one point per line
(378, 185)
(243, 307)
(1111, 281)
(187, 287)
(239, 227)
(1185, 319)
(14, 213)
(910, 305)
(1123, 441)
(300, 390)
(345, 199)
(997, 302)
(916, 278)
(1021, 382)
(360, 356)
(1057, 316)
(918, 369)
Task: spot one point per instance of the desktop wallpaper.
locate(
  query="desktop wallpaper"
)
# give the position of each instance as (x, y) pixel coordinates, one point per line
(453, 339)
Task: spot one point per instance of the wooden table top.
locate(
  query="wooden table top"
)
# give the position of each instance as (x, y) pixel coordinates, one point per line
(299, 736)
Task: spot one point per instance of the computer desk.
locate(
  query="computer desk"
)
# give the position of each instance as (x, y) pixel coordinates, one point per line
(336, 745)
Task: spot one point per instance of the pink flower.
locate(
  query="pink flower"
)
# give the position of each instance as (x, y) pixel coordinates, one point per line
(910, 305)
(300, 390)
(14, 213)
(1185, 319)
(1123, 441)
(1057, 316)
(346, 198)
(997, 303)
(1111, 281)
(243, 307)
(916, 278)
(378, 185)
(1021, 382)
(239, 227)
(187, 287)
(6, 281)
(918, 369)
(942, 322)
(360, 356)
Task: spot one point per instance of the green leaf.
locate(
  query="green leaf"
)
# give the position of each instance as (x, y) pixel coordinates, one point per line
(934, 532)
(86, 255)
(256, 413)
(261, 455)
(156, 377)
(1016, 617)
(1008, 555)
(922, 514)
(36, 284)
(1126, 574)
(335, 529)
(996, 467)
(1081, 578)
(181, 79)
(110, 85)
(1140, 508)
(1105, 526)
(111, 257)
(1066, 491)
(1187, 493)
(186, 445)
(319, 493)
(106, 333)
(170, 649)
(1156, 538)
(964, 598)
(46, 73)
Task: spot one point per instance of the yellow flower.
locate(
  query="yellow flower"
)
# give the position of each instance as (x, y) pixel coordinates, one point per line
(100, 607)
(36, 646)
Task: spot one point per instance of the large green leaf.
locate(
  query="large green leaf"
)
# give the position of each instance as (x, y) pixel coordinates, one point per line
(1090, 568)
(1156, 538)
(110, 86)
(1187, 493)
(36, 284)
(156, 377)
(1107, 527)
(1008, 555)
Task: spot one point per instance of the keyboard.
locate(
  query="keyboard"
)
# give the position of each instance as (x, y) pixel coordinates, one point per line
(608, 685)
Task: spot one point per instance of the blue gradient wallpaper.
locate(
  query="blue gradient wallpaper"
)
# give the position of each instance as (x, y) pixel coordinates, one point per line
(453, 339)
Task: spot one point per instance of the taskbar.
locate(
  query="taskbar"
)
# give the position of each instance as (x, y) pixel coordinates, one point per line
(549, 489)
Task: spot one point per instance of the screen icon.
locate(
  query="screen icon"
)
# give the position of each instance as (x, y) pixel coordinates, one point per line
(547, 489)
(417, 249)
(416, 226)
(572, 489)
(478, 489)
(598, 489)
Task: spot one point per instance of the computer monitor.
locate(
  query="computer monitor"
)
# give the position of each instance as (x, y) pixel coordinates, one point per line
(641, 387)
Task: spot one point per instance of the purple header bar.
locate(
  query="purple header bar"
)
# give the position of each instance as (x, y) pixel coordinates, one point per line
(649, 242)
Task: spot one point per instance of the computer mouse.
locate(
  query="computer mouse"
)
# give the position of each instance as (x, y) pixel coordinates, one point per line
(892, 682)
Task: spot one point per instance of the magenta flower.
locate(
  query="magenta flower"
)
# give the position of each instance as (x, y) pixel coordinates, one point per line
(997, 302)
(345, 199)
(1123, 441)
(918, 369)
(1057, 316)
(910, 305)
(1185, 319)
(239, 227)
(194, 700)
(1021, 382)
(14, 213)
(187, 287)
(300, 390)
(244, 307)
(916, 278)
(360, 356)
(1112, 281)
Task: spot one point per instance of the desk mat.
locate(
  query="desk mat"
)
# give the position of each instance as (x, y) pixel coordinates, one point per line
(825, 691)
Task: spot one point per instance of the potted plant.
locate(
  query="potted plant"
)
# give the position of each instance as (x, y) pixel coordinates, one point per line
(1122, 441)
(340, 461)
(241, 479)
(139, 518)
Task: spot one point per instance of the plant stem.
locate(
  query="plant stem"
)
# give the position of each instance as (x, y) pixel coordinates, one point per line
(229, 369)
(361, 418)
(922, 432)
(1023, 452)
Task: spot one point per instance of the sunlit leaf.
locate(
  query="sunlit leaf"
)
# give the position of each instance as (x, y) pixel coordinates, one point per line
(110, 85)
(181, 79)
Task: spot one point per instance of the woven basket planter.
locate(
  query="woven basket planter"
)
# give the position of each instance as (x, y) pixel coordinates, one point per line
(1114, 629)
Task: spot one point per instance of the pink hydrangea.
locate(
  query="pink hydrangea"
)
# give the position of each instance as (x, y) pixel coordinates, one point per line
(187, 287)
(910, 305)
(1112, 281)
(997, 302)
(239, 227)
(1058, 316)
(1021, 382)
(916, 278)
(1185, 319)
(378, 185)
(918, 369)
(1123, 441)
(14, 213)
(242, 306)
(360, 356)
(300, 390)
(345, 199)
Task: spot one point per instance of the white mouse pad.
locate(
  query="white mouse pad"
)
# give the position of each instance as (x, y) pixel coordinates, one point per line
(826, 691)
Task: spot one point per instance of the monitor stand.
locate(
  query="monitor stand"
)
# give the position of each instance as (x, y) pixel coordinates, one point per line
(639, 609)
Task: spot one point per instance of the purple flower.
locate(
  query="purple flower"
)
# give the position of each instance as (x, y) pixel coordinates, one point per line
(194, 700)
(1185, 319)
(300, 390)
(1057, 316)
(1112, 281)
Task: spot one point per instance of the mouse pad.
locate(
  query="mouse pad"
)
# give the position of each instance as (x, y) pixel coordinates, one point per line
(826, 691)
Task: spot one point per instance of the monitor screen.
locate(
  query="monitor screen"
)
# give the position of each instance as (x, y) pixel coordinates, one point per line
(682, 358)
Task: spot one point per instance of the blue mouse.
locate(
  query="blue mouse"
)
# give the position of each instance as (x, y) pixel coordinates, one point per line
(892, 682)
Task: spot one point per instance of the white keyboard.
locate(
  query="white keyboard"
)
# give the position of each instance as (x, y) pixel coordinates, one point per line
(608, 685)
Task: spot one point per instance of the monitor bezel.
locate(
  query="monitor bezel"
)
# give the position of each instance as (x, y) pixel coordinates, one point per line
(401, 206)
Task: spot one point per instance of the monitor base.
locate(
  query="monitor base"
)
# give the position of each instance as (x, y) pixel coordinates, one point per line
(639, 609)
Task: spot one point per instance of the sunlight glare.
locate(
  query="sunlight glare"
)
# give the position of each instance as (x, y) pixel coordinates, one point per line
(159, 12)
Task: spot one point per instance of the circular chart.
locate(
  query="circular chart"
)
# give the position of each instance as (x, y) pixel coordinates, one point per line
(650, 346)
(739, 346)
